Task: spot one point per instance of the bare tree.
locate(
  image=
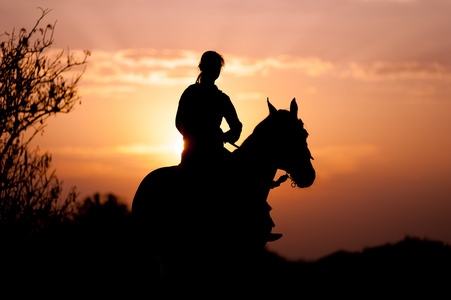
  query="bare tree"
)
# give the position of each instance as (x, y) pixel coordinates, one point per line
(32, 88)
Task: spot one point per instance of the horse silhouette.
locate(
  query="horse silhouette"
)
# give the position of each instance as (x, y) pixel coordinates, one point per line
(198, 224)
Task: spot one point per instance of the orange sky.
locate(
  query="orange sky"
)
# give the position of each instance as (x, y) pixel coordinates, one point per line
(372, 78)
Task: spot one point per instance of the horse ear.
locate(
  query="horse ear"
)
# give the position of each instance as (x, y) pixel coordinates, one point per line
(272, 109)
(294, 107)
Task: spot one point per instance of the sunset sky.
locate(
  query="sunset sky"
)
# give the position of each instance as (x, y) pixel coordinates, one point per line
(372, 79)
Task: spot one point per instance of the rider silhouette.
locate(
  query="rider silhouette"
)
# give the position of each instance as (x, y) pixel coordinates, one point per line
(201, 109)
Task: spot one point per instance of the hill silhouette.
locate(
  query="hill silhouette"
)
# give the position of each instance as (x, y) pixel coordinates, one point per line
(412, 266)
(96, 254)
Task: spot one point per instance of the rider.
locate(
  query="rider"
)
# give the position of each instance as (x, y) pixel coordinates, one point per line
(201, 109)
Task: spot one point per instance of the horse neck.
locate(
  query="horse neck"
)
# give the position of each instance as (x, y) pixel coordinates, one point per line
(256, 161)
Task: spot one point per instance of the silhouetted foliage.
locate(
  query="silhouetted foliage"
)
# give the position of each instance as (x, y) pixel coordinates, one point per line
(32, 88)
(88, 251)
(102, 220)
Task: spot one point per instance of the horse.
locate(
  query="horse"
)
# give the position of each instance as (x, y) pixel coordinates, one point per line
(216, 216)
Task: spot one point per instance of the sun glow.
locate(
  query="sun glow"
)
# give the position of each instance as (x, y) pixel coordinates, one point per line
(179, 146)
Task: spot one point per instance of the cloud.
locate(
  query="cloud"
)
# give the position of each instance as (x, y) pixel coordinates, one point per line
(244, 66)
(120, 161)
(116, 74)
(132, 149)
(110, 73)
(250, 96)
(179, 67)
(141, 67)
(381, 70)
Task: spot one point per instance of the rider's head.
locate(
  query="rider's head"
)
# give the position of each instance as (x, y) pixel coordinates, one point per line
(210, 67)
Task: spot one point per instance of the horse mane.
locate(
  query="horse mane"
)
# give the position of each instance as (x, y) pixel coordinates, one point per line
(256, 135)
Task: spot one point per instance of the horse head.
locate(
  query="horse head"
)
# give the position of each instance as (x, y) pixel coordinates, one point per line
(288, 143)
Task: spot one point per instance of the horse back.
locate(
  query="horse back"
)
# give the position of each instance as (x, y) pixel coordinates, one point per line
(152, 191)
